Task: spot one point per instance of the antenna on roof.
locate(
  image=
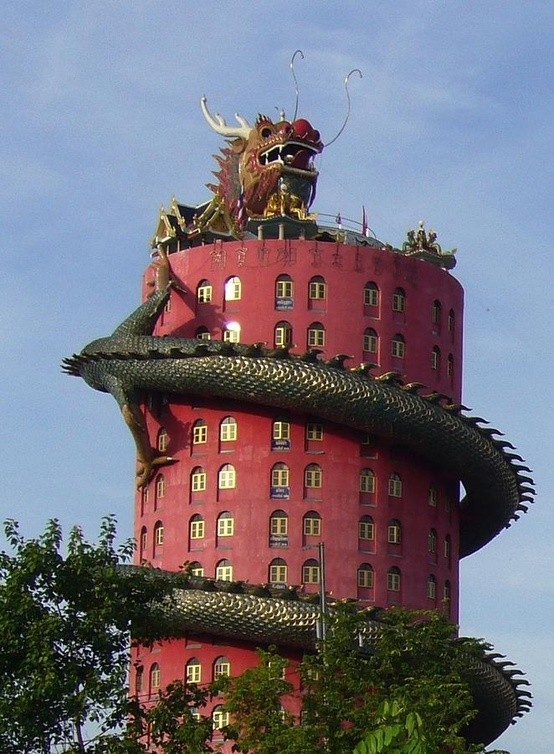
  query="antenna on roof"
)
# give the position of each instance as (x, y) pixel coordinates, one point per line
(295, 81)
(354, 70)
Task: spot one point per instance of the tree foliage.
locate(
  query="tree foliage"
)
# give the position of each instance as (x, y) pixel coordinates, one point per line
(65, 617)
(407, 695)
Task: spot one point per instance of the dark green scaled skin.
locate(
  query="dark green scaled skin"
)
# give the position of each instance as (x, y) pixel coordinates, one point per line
(133, 361)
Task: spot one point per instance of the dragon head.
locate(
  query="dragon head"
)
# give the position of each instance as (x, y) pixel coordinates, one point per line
(273, 161)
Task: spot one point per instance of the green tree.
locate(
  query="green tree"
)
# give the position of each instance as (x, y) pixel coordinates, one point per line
(406, 695)
(66, 615)
(65, 618)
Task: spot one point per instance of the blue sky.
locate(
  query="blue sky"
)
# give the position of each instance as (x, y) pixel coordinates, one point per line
(452, 123)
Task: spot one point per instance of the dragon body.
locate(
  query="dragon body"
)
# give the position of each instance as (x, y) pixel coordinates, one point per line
(133, 362)
(235, 611)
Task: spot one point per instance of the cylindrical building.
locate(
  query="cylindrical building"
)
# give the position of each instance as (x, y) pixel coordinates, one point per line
(301, 397)
(255, 489)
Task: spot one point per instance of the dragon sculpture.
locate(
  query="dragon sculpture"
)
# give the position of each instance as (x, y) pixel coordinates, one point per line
(267, 169)
(132, 362)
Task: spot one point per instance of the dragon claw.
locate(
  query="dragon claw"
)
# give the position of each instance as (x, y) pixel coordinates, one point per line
(145, 469)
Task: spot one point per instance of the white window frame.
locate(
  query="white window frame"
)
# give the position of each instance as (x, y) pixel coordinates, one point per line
(371, 295)
(367, 481)
(228, 429)
(311, 525)
(233, 289)
(197, 528)
(225, 525)
(366, 577)
(204, 293)
(313, 477)
(317, 290)
(366, 530)
(227, 477)
(198, 480)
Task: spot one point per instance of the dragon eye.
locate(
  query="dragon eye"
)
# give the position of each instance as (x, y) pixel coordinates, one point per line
(266, 132)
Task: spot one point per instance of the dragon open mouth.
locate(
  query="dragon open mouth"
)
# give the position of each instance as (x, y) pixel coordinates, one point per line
(291, 154)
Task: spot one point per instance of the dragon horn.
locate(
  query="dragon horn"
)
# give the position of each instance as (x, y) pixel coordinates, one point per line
(219, 126)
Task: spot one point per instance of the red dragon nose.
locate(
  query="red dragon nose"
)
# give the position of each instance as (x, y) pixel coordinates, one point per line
(303, 129)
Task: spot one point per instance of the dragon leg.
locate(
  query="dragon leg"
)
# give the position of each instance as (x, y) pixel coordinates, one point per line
(147, 457)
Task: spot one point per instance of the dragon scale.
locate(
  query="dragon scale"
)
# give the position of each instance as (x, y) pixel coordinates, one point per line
(132, 362)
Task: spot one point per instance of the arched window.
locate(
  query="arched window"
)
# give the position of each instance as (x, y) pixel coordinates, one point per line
(193, 671)
(312, 524)
(451, 321)
(365, 576)
(143, 543)
(220, 718)
(366, 528)
(432, 541)
(450, 365)
(436, 358)
(436, 315)
(279, 523)
(433, 496)
(310, 572)
(394, 532)
(202, 333)
(233, 289)
(395, 485)
(199, 432)
(160, 486)
(163, 440)
(204, 292)
(314, 431)
(139, 679)
(280, 475)
(278, 571)
(316, 335)
(371, 294)
(313, 476)
(198, 479)
(196, 527)
(282, 335)
(448, 548)
(228, 429)
(224, 570)
(371, 340)
(231, 332)
(280, 430)
(398, 347)
(399, 300)
(394, 579)
(227, 477)
(431, 587)
(367, 480)
(222, 666)
(446, 591)
(155, 677)
(317, 289)
(158, 534)
(225, 524)
(196, 568)
(283, 292)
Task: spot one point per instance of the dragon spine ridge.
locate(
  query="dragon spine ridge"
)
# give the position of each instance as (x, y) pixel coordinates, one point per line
(132, 360)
